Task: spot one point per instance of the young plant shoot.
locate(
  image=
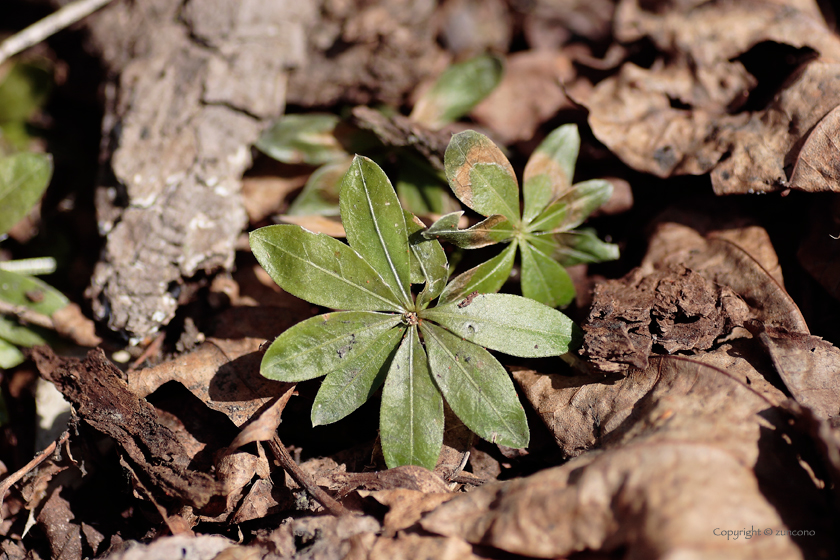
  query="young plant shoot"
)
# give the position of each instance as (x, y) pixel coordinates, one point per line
(482, 178)
(386, 334)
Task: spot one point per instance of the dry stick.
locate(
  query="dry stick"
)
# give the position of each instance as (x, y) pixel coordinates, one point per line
(10, 481)
(40, 30)
(303, 479)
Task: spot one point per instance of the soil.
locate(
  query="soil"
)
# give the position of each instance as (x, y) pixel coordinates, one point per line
(699, 415)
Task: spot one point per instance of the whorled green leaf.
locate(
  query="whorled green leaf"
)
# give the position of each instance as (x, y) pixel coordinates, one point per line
(10, 356)
(428, 262)
(581, 246)
(481, 176)
(460, 88)
(494, 229)
(488, 277)
(571, 209)
(411, 415)
(507, 323)
(321, 269)
(305, 138)
(550, 170)
(544, 280)
(23, 179)
(24, 89)
(323, 344)
(354, 382)
(476, 387)
(25, 291)
(15, 333)
(320, 194)
(375, 224)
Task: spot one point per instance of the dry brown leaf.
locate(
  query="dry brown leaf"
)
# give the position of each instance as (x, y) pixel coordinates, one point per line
(420, 547)
(259, 502)
(316, 224)
(530, 93)
(199, 547)
(677, 117)
(70, 322)
(411, 477)
(407, 506)
(264, 427)
(550, 23)
(473, 27)
(808, 365)
(693, 450)
(64, 536)
(223, 374)
(689, 292)
(263, 196)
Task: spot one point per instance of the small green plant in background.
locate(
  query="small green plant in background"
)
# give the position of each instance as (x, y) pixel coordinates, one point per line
(326, 140)
(482, 178)
(387, 335)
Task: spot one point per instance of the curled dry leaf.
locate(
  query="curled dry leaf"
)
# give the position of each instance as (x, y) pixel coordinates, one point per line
(680, 115)
(690, 292)
(71, 323)
(410, 477)
(692, 451)
(264, 428)
(64, 536)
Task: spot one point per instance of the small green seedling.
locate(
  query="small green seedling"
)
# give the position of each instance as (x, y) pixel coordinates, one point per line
(386, 334)
(23, 179)
(482, 178)
(325, 140)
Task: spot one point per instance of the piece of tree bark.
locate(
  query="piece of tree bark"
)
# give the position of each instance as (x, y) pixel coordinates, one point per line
(197, 82)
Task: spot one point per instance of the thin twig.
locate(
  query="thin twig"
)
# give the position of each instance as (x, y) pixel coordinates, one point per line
(13, 478)
(303, 479)
(40, 30)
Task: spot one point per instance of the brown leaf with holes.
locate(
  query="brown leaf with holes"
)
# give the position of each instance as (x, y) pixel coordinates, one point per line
(691, 447)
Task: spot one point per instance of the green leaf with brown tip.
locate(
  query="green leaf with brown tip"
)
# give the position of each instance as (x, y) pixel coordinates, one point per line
(23, 179)
(460, 88)
(494, 229)
(350, 385)
(411, 415)
(488, 277)
(550, 170)
(476, 386)
(544, 280)
(571, 209)
(375, 224)
(507, 323)
(321, 270)
(322, 344)
(481, 176)
(302, 138)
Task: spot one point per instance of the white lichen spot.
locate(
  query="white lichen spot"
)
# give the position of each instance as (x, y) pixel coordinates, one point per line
(158, 316)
